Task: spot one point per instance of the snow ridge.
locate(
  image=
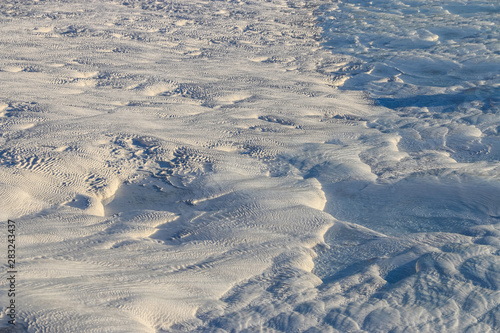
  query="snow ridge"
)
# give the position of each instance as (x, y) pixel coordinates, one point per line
(199, 161)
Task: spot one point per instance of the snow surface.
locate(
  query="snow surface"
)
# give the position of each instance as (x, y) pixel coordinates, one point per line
(243, 166)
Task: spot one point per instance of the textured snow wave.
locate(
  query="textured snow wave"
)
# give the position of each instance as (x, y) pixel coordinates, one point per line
(437, 62)
(194, 166)
(416, 245)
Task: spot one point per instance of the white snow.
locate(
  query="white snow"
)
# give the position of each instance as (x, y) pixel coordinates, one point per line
(242, 166)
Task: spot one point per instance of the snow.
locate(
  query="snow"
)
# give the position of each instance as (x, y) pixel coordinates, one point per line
(231, 166)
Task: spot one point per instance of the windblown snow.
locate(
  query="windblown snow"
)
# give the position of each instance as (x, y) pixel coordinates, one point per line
(247, 166)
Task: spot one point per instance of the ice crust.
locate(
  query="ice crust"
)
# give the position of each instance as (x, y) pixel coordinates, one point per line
(247, 166)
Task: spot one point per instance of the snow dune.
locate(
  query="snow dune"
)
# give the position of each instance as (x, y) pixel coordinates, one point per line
(206, 166)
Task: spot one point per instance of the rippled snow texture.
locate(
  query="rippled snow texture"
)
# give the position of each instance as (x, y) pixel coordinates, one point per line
(243, 166)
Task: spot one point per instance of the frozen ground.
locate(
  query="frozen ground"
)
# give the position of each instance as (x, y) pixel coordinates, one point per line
(243, 166)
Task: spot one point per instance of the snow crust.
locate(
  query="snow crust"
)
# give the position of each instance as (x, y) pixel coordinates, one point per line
(243, 166)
